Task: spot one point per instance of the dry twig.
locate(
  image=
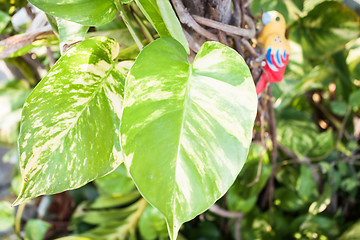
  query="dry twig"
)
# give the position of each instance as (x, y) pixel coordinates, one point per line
(187, 19)
(248, 33)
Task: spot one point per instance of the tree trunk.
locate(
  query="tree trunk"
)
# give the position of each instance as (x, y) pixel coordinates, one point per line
(205, 8)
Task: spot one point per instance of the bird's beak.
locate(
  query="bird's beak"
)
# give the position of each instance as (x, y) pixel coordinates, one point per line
(266, 17)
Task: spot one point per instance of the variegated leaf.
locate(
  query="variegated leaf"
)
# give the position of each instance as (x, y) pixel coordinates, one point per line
(70, 123)
(186, 128)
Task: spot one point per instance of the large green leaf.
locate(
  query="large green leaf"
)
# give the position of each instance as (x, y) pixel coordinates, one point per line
(162, 16)
(326, 29)
(186, 128)
(86, 12)
(70, 123)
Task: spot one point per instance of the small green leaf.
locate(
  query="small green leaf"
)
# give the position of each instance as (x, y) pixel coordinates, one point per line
(7, 218)
(306, 186)
(338, 107)
(86, 12)
(4, 20)
(288, 200)
(288, 176)
(117, 182)
(299, 135)
(70, 33)
(241, 196)
(352, 232)
(186, 128)
(36, 229)
(152, 224)
(162, 16)
(324, 144)
(354, 99)
(70, 123)
(13, 94)
(115, 200)
(115, 223)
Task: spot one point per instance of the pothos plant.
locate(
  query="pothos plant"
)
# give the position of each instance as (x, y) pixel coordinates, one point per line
(182, 129)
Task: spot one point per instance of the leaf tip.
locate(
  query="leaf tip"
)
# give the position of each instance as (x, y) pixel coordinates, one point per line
(173, 228)
(18, 201)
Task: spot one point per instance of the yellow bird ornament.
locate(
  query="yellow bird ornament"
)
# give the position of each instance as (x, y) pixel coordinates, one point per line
(277, 49)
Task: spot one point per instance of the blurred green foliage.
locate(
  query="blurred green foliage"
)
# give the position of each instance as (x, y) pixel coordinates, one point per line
(317, 109)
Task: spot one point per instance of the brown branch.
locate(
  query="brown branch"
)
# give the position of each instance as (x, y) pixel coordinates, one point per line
(224, 213)
(288, 152)
(242, 13)
(186, 18)
(238, 45)
(248, 46)
(221, 34)
(237, 13)
(342, 128)
(248, 33)
(51, 57)
(194, 45)
(248, 3)
(263, 146)
(272, 128)
(238, 229)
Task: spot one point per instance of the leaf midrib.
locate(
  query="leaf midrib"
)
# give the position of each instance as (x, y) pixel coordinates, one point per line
(186, 101)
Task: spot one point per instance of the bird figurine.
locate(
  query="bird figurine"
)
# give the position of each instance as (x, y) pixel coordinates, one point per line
(277, 49)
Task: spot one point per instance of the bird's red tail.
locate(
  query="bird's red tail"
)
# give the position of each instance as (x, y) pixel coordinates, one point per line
(261, 84)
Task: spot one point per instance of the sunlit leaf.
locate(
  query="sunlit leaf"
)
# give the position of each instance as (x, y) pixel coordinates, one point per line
(86, 12)
(162, 16)
(186, 128)
(70, 123)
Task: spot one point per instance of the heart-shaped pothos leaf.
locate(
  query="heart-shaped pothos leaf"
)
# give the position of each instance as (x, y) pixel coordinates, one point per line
(70, 122)
(186, 128)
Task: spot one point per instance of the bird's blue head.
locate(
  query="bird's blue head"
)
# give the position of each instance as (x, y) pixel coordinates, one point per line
(267, 17)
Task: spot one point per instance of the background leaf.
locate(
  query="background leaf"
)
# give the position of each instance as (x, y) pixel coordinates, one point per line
(13, 94)
(7, 218)
(162, 16)
(70, 33)
(69, 134)
(36, 229)
(86, 12)
(186, 130)
(326, 29)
